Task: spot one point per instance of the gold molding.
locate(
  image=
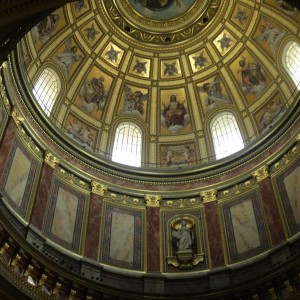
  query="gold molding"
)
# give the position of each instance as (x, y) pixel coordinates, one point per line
(98, 188)
(51, 160)
(261, 173)
(153, 200)
(209, 195)
(298, 137)
(17, 117)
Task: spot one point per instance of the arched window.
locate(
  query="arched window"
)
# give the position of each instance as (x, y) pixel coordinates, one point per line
(226, 135)
(46, 89)
(128, 145)
(292, 62)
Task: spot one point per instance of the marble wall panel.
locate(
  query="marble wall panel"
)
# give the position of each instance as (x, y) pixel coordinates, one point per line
(288, 184)
(17, 180)
(64, 215)
(123, 236)
(244, 227)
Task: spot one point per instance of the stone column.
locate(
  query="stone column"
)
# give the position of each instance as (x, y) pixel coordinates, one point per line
(213, 227)
(43, 191)
(94, 220)
(153, 232)
(270, 205)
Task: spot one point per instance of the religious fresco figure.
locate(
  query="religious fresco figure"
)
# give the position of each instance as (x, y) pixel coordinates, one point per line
(174, 113)
(68, 57)
(272, 112)
(286, 7)
(270, 34)
(93, 95)
(253, 79)
(43, 30)
(214, 94)
(134, 101)
(178, 155)
(80, 133)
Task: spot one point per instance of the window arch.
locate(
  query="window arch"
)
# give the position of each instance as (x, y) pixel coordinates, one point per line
(227, 138)
(127, 147)
(46, 89)
(292, 62)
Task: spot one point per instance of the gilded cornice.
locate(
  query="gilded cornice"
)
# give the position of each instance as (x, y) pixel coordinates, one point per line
(16, 115)
(154, 32)
(3, 93)
(182, 203)
(209, 195)
(261, 173)
(122, 199)
(153, 200)
(51, 160)
(98, 188)
(238, 189)
(72, 179)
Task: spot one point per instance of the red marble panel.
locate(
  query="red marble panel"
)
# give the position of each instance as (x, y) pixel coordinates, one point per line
(271, 211)
(153, 239)
(214, 234)
(93, 226)
(9, 136)
(42, 196)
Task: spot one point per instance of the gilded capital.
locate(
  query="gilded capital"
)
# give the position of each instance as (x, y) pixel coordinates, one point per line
(298, 138)
(153, 200)
(51, 160)
(98, 188)
(17, 117)
(261, 173)
(209, 195)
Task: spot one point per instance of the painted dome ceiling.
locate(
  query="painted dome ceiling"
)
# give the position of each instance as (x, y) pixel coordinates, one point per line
(127, 61)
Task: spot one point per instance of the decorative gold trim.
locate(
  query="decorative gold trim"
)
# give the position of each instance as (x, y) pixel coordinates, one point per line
(56, 289)
(4, 249)
(98, 188)
(298, 138)
(153, 200)
(17, 117)
(42, 280)
(28, 271)
(51, 160)
(209, 195)
(261, 173)
(72, 295)
(15, 260)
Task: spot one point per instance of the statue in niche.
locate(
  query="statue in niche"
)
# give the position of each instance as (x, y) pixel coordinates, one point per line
(184, 247)
(184, 236)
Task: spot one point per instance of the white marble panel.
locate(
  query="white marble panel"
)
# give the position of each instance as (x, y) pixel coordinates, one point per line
(65, 215)
(17, 177)
(292, 185)
(244, 227)
(122, 237)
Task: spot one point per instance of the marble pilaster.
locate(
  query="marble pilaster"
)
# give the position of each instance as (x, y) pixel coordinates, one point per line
(213, 227)
(43, 191)
(153, 232)
(270, 206)
(93, 226)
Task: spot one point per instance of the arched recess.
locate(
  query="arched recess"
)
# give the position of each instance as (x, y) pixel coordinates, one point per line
(226, 134)
(46, 89)
(128, 144)
(290, 59)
